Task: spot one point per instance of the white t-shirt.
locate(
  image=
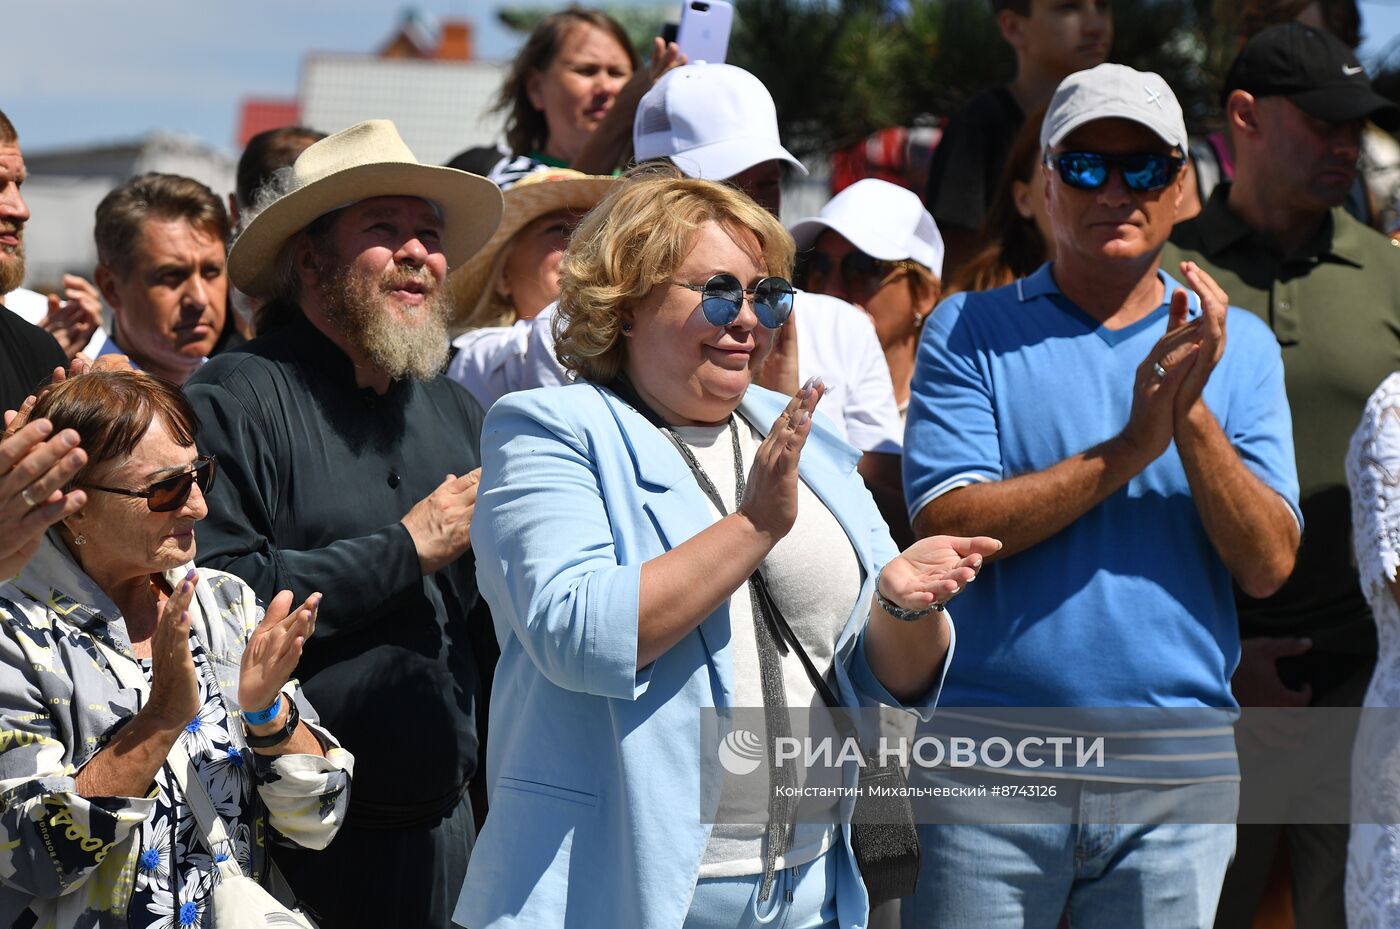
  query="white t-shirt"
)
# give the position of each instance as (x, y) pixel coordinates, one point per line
(815, 577)
(32, 307)
(835, 341)
(490, 361)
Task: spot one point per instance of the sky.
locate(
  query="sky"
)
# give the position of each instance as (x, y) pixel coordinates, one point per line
(85, 71)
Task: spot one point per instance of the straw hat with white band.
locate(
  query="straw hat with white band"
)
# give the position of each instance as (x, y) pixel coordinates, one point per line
(471, 287)
(367, 160)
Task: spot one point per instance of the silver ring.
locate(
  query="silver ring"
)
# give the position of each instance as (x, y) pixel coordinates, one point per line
(24, 495)
(1158, 370)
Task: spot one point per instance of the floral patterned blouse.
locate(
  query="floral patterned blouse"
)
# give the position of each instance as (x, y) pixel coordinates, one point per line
(123, 862)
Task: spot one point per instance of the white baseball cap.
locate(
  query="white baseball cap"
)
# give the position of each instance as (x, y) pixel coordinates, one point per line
(712, 121)
(883, 220)
(1112, 91)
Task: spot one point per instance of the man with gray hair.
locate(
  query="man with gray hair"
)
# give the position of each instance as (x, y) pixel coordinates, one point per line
(349, 467)
(1094, 417)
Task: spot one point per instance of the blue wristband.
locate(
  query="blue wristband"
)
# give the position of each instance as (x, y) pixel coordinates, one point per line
(264, 716)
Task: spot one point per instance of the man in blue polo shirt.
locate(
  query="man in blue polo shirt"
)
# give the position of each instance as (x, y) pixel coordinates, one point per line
(1095, 418)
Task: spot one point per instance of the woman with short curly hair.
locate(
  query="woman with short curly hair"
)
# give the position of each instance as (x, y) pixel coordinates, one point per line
(646, 538)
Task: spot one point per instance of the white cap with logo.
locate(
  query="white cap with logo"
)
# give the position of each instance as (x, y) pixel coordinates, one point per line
(883, 220)
(712, 121)
(1112, 91)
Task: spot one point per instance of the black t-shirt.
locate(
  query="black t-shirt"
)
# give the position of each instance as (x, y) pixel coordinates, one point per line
(966, 168)
(28, 356)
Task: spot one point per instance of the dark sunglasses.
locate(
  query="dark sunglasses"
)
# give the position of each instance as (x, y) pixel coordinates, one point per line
(861, 275)
(171, 493)
(1143, 172)
(722, 297)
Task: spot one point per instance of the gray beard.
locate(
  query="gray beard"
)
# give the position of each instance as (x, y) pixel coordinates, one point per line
(354, 305)
(11, 268)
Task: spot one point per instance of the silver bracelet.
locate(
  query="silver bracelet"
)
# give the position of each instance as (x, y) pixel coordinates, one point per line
(899, 612)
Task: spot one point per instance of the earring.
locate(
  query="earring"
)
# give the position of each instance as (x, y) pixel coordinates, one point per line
(626, 327)
(80, 539)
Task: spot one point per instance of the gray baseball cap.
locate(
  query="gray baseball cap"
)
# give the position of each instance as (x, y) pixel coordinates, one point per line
(1112, 91)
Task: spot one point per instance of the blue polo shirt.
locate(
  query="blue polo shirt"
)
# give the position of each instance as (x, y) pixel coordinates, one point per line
(1129, 605)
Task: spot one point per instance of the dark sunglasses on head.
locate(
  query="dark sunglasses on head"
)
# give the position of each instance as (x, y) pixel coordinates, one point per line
(722, 297)
(171, 493)
(861, 275)
(1146, 172)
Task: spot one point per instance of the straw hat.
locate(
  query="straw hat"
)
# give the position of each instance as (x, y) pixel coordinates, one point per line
(367, 160)
(471, 286)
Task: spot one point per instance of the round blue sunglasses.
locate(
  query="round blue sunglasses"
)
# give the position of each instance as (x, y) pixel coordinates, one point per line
(722, 296)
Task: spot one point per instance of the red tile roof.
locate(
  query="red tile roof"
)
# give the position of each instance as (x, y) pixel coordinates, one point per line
(260, 115)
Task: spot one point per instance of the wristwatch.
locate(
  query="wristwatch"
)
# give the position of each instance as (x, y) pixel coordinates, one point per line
(281, 735)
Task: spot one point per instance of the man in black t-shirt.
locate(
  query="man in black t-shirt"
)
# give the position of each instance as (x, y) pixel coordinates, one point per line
(1052, 39)
(28, 354)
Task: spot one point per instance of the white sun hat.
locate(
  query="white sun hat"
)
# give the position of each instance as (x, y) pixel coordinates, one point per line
(883, 220)
(712, 121)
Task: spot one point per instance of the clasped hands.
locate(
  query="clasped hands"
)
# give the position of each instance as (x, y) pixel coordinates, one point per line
(1170, 380)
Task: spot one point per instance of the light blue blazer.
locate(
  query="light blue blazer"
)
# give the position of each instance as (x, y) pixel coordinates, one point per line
(594, 766)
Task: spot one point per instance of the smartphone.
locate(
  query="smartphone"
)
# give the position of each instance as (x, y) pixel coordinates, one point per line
(704, 30)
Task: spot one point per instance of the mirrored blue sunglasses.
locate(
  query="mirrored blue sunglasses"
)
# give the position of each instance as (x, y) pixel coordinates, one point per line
(1144, 172)
(722, 297)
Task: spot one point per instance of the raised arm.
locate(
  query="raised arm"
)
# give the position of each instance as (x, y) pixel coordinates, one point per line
(67, 820)
(547, 558)
(610, 146)
(952, 400)
(1252, 527)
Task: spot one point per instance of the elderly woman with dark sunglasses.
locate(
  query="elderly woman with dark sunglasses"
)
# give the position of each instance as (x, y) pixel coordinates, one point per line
(124, 672)
(619, 522)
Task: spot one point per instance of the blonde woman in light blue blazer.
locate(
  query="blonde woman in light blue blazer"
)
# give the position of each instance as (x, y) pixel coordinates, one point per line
(612, 577)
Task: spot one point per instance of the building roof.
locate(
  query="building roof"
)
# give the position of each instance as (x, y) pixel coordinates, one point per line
(439, 107)
(259, 115)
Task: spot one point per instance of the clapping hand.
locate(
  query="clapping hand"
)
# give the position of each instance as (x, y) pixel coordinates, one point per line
(72, 319)
(175, 696)
(274, 649)
(770, 494)
(1159, 382)
(934, 570)
(1211, 334)
(35, 466)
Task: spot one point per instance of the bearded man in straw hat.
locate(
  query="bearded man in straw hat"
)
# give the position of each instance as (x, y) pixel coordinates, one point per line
(348, 466)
